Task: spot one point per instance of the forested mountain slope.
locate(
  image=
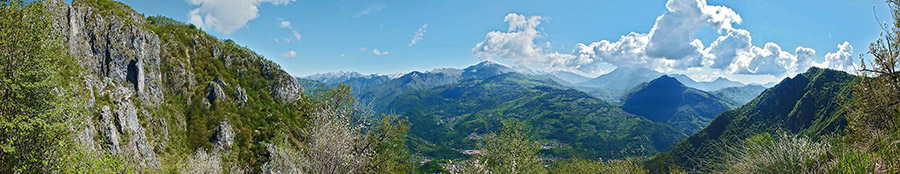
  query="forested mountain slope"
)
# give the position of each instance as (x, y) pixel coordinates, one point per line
(148, 95)
(458, 114)
(808, 104)
(666, 100)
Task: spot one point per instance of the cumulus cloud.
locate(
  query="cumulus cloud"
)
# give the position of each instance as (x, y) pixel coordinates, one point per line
(726, 47)
(418, 36)
(226, 16)
(370, 9)
(290, 54)
(668, 46)
(377, 52)
(285, 24)
(806, 57)
(840, 60)
(516, 43)
(670, 37)
(770, 59)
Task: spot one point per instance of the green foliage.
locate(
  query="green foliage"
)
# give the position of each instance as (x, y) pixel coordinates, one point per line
(512, 150)
(32, 122)
(108, 8)
(431, 167)
(159, 21)
(389, 141)
(78, 160)
(740, 95)
(810, 104)
(875, 111)
(579, 166)
(190, 60)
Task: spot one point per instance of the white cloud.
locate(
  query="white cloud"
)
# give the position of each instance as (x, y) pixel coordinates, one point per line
(671, 38)
(726, 47)
(806, 57)
(370, 9)
(377, 52)
(418, 36)
(767, 60)
(363, 49)
(668, 47)
(296, 34)
(290, 54)
(517, 43)
(287, 24)
(226, 16)
(840, 60)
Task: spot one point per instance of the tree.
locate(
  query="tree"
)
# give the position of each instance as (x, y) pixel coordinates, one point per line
(877, 95)
(874, 117)
(388, 143)
(31, 126)
(512, 150)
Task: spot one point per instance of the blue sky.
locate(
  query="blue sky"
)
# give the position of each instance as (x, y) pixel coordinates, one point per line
(342, 35)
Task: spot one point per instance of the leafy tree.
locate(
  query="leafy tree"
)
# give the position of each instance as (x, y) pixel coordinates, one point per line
(388, 142)
(31, 126)
(877, 97)
(512, 150)
(875, 113)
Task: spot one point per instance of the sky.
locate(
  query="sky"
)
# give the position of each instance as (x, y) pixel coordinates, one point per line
(751, 41)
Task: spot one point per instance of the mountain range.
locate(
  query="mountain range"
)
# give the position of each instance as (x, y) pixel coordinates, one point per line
(457, 115)
(449, 107)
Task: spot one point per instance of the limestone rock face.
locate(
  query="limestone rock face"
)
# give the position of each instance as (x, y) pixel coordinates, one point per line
(287, 89)
(224, 136)
(121, 60)
(129, 69)
(215, 92)
(120, 51)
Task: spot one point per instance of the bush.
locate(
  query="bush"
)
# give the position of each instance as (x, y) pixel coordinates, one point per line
(630, 165)
(787, 154)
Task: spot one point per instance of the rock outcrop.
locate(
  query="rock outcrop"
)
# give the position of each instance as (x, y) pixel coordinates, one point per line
(130, 82)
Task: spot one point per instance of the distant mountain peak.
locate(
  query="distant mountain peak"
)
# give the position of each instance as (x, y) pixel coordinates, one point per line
(665, 99)
(488, 62)
(485, 69)
(622, 78)
(666, 80)
(569, 77)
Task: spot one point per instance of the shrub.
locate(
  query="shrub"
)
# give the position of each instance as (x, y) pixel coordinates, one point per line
(787, 154)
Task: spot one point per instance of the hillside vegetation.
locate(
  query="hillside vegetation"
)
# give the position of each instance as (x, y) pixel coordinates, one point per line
(809, 104)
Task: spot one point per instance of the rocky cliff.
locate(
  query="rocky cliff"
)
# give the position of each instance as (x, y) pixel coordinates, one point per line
(159, 90)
